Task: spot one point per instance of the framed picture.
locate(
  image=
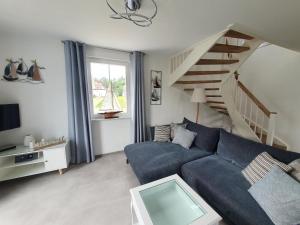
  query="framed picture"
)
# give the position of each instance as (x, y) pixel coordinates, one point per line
(156, 87)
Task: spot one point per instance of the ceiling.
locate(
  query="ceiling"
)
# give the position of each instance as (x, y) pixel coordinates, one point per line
(179, 23)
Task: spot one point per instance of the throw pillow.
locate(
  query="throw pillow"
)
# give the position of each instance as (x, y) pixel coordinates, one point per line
(174, 126)
(162, 133)
(296, 169)
(261, 166)
(207, 138)
(279, 196)
(184, 137)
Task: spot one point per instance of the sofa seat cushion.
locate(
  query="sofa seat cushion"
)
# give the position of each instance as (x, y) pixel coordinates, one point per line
(241, 151)
(152, 161)
(223, 186)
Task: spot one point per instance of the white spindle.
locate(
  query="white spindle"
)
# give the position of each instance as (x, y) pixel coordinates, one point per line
(236, 94)
(245, 107)
(251, 109)
(256, 119)
(271, 129)
(261, 127)
(241, 101)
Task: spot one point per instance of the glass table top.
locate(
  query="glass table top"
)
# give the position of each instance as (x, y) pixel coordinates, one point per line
(168, 203)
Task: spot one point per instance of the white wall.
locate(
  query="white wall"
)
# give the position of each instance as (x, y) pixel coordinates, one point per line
(43, 107)
(273, 74)
(110, 135)
(176, 104)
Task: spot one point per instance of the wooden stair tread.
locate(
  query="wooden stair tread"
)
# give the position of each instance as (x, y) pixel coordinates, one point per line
(197, 73)
(219, 107)
(236, 34)
(214, 96)
(215, 102)
(212, 89)
(223, 112)
(199, 82)
(223, 48)
(206, 89)
(217, 61)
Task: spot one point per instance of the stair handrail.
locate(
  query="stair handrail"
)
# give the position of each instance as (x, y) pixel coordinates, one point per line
(259, 104)
(251, 108)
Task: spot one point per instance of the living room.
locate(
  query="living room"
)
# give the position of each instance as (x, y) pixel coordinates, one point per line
(121, 112)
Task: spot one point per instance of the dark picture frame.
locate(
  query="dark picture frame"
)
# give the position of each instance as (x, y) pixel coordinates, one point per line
(156, 87)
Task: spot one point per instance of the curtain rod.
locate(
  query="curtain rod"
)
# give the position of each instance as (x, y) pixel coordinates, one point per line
(112, 49)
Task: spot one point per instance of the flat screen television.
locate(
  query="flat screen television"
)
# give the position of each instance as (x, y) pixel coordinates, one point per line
(9, 117)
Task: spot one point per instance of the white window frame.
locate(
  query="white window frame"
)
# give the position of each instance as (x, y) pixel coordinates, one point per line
(89, 74)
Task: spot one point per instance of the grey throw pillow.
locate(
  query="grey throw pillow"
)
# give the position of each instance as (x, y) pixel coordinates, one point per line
(174, 127)
(184, 137)
(279, 196)
(296, 169)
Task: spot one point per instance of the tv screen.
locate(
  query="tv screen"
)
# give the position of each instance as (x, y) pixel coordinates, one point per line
(9, 117)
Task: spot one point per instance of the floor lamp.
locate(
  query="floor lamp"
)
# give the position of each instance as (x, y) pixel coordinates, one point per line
(198, 97)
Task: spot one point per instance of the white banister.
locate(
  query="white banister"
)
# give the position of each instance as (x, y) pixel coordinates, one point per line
(257, 117)
(271, 129)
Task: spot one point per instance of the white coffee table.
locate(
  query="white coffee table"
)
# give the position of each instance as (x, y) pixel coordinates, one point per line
(170, 201)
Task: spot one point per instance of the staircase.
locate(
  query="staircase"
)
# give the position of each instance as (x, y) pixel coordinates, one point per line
(212, 65)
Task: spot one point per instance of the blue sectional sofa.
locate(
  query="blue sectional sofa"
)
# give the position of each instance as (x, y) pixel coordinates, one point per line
(215, 173)
(151, 161)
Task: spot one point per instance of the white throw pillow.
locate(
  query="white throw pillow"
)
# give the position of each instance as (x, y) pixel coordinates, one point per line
(184, 137)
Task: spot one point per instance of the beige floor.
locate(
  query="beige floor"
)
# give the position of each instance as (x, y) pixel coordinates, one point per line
(93, 194)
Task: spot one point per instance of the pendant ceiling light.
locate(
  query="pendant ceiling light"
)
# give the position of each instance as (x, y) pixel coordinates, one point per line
(132, 12)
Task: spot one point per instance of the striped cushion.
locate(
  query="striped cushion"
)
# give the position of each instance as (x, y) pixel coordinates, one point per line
(261, 166)
(162, 133)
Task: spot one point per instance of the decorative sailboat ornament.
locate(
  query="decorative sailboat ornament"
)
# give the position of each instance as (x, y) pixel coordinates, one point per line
(10, 71)
(154, 95)
(111, 104)
(22, 69)
(34, 74)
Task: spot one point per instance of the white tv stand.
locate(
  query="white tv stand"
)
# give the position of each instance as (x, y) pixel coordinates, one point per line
(49, 159)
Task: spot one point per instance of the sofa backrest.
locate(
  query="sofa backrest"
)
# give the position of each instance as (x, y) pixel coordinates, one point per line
(207, 138)
(241, 151)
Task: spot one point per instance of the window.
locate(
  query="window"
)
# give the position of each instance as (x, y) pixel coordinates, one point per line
(109, 86)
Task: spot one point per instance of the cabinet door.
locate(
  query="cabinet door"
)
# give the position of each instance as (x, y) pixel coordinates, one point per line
(55, 159)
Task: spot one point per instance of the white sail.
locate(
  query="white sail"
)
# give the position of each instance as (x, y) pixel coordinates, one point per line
(110, 101)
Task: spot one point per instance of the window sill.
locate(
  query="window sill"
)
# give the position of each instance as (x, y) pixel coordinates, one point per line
(120, 118)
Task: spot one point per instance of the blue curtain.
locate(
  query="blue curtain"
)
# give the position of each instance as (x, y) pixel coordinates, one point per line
(139, 120)
(80, 131)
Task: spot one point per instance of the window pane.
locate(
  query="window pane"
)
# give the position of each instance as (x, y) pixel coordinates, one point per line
(100, 81)
(108, 87)
(118, 79)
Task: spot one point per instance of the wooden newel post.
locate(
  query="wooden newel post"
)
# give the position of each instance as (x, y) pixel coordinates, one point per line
(271, 129)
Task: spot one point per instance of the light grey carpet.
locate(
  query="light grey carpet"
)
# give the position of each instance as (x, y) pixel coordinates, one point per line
(93, 194)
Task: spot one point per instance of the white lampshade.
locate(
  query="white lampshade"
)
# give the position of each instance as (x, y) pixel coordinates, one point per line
(198, 96)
